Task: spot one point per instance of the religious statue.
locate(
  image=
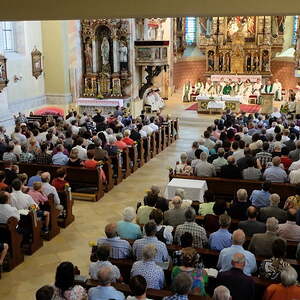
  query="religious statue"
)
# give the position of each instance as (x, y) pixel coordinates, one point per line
(88, 57)
(227, 62)
(221, 62)
(123, 51)
(248, 63)
(208, 26)
(274, 27)
(105, 51)
(255, 63)
(280, 21)
(210, 60)
(265, 65)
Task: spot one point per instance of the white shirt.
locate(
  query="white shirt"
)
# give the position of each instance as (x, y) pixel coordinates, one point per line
(7, 211)
(82, 152)
(147, 129)
(295, 177)
(20, 200)
(48, 189)
(238, 154)
(42, 137)
(143, 133)
(75, 129)
(295, 165)
(153, 126)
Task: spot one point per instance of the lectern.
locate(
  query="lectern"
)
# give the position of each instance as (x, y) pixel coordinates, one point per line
(267, 103)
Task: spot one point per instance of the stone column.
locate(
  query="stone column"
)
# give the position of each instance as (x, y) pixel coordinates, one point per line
(116, 55)
(95, 60)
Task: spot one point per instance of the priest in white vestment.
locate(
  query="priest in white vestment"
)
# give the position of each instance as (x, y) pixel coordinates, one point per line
(256, 88)
(277, 87)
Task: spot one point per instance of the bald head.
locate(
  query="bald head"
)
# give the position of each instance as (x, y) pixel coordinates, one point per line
(221, 293)
(238, 237)
(251, 212)
(45, 177)
(111, 230)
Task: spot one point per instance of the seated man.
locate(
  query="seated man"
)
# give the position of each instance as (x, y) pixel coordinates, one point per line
(60, 158)
(290, 230)
(221, 292)
(225, 257)
(126, 228)
(175, 216)
(230, 170)
(102, 256)
(181, 286)
(252, 226)
(275, 173)
(6, 210)
(48, 189)
(273, 210)
(198, 232)
(261, 198)
(222, 238)
(150, 238)
(203, 168)
(148, 268)
(119, 248)
(238, 209)
(220, 161)
(104, 290)
(241, 286)
(261, 243)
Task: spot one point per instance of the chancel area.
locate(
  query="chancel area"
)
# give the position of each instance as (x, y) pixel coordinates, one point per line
(150, 158)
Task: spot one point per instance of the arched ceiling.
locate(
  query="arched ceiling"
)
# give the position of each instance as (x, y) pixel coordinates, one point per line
(81, 9)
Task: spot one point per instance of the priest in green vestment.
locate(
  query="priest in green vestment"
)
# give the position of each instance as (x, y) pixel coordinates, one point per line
(227, 89)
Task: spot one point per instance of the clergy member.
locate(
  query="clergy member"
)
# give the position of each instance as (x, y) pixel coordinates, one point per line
(268, 88)
(277, 87)
(227, 89)
(208, 87)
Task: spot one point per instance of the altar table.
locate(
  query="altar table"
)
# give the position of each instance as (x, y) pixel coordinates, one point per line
(193, 189)
(207, 103)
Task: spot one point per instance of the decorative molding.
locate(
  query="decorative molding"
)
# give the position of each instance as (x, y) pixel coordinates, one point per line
(59, 99)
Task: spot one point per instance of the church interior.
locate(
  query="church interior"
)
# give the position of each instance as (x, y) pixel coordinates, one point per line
(193, 118)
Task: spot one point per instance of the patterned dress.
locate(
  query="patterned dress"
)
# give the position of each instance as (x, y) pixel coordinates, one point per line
(199, 277)
(76, 293)
(271, 268)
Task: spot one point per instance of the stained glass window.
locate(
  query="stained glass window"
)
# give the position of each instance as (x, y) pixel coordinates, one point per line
(8, 36)
(190, 30)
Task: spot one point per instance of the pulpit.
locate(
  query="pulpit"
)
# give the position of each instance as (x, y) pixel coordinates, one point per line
(267, 103)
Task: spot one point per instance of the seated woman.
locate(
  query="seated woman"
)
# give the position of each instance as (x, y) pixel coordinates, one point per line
(138, 287)
(271, 268)
(147, 268)
(183, 168)
(164, 232)
(153, 199)
(24, 178)
(102, 254)
(287, 289)
(90, 163)
(74, 161)
(198, 274)
(126, 229)
(64, 287)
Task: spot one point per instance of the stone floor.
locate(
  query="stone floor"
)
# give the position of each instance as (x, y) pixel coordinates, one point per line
(90, 218)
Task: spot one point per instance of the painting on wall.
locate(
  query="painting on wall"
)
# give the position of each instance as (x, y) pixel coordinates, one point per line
(3, 73)
(36, 57)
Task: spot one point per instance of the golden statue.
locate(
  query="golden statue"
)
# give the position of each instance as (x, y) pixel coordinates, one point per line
(237, 57)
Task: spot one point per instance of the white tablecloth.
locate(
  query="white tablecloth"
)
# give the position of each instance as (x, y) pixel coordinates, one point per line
(206, 97)
(231, 98)
(216, 104)
(193, 189)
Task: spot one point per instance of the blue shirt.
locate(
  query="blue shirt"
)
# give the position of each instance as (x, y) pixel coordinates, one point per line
(128, 230)
(225, 257)
(153, 274)
(33, 179)
(176, 297)
(204, 149)
(275, 174)
(162, 252)
(119, 248)
(220, 239)
(60, 159)
(105, 293)
(260, 198)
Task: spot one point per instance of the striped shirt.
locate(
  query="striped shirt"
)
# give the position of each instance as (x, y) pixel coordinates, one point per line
(119, 248)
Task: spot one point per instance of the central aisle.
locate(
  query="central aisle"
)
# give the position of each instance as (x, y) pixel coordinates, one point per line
(90, 218)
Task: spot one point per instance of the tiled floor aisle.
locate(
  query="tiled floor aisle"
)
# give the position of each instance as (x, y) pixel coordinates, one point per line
(90, 218)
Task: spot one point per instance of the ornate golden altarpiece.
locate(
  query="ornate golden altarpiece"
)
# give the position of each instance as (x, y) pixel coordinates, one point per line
(105, 52)
(240, 45)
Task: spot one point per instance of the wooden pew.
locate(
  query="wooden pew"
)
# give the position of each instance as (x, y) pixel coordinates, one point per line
(164, 137)
(227, 188)
(153, 148)
(67, 201)
(176, 127)
(108, 170)
(133, 154)
(117, 168)
(147, 148)
(54, 229)
(141, 153)
(33, 224)
(126, 163)
(158, 137)
(9, 234)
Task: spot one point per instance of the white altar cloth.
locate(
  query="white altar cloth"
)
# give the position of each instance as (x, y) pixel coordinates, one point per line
(193, 189)
(216, 105)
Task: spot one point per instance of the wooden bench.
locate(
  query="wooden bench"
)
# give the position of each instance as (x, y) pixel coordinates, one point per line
(141, 153)
(227, 188)
(33, 225)
(9, 235)
(67, 201)
(133, 154)
(153, 147)
(158, 137)
(126, 169)
(147, 148)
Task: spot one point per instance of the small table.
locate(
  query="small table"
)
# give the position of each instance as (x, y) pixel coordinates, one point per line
(193, 189)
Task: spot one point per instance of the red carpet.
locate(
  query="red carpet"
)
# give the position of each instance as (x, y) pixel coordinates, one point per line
(193, 107)
(250, 108)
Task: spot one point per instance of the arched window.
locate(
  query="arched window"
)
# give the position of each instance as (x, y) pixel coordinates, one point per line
(295, 28)
(190, 30)
(8, 29)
